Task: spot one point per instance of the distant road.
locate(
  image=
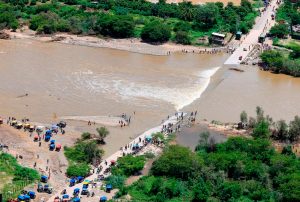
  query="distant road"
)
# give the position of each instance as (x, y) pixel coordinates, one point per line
(262, 26)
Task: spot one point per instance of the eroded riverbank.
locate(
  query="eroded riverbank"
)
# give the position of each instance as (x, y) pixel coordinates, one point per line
(134, 45)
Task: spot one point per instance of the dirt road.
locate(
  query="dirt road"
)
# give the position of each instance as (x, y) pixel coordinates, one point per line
(22, 144)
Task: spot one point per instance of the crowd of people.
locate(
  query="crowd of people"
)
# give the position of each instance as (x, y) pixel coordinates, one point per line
(205, 51)
(40, 135)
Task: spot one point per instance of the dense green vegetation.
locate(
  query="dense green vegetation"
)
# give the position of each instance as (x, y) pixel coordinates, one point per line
(129, 165)
(78, 169)
(265, 127)
(123, 18)
(126, 166)
(287, 16)
(240, 169)
(84, 152)
(279, 62)
(14, 177)
(156, 32)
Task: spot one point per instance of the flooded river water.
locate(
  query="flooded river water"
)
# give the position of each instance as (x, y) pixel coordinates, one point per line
(76, 80)
(65, 80)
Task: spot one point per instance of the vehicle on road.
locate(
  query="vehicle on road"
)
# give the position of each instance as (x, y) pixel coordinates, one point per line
(261, 38)
(48, 189)
(44, 178)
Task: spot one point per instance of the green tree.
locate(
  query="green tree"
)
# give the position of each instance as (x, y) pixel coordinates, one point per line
(159, 137)
(246, 5)
(177, 162)
(240, 169)
(255, 191)
(290, 188)
(203, 143)
(86, 136)
(117, 181)
(294, 127)
(201, 191)
(129, 165)
(287, 150)
(76, 25)
(244, 117)
(182, 37)
(156, 32)
(292, 67)
(296, 52)
(123, 27)
(206, 16)
(80, 169)
(182, 26)
(273, 59)
(44, 23)
(84, 152)
(279, 30)
(186, 10)
(252, 122)
(102, 133)
(230, 190)
(261, 130)
(259, 114)
(115, 26)
(280, 164)
(281, 130)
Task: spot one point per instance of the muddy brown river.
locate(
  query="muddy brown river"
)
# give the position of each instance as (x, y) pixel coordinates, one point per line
(67, 80)
(74, 80)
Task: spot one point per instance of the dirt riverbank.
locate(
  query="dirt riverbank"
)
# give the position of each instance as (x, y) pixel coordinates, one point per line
(132, 44)
(21, 144)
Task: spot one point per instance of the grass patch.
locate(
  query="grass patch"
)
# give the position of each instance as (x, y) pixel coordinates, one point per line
(14, 177)
(84, 152)
(286, 43)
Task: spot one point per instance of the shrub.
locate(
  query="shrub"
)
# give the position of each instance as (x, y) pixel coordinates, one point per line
(117, 181)
(280, 30)
(80, 169)
(84, 152)
(182, 37)
(149, 155)
(23, 173)
(177, 161)
(261, 130)
(116, 26)
(129, 165)
(156, 32)
(86, 136)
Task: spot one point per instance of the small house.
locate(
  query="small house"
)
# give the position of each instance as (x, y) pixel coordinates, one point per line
(217, 38)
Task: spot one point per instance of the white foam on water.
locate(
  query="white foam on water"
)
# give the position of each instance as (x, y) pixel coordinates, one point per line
(179, 95)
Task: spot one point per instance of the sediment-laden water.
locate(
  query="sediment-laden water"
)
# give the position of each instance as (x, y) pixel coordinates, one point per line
(45, 81)
(74, 80)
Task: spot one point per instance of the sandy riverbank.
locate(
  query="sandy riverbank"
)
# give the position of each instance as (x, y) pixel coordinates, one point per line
(21, 143)
(103, 120)
(132, 45)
